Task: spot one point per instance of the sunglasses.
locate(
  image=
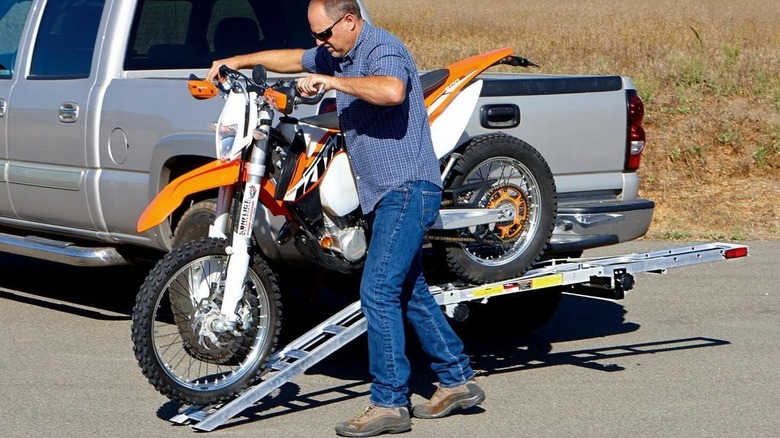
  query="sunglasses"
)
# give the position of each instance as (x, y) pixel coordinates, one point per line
(327, 33)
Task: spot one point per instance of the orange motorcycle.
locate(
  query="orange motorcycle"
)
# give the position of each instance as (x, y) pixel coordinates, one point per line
(208, 316)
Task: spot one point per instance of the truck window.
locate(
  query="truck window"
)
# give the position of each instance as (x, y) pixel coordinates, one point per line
(66, 39)
(190, 34)
(13, 14)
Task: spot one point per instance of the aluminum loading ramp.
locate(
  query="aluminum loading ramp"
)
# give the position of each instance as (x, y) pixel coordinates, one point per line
(607, 277)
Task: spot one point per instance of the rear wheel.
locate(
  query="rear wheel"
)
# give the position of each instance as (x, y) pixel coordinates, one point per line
(522, 182)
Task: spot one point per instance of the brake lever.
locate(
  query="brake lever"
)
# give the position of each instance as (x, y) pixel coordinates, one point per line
(311, 100)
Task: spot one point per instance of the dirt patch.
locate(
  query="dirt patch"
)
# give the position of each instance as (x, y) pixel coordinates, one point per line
(709, 77)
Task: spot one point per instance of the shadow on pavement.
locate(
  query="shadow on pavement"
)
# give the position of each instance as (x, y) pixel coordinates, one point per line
(109, 294)
(491, 351)
(98, 293)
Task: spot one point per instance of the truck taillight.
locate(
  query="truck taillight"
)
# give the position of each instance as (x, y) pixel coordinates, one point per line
(635, 136)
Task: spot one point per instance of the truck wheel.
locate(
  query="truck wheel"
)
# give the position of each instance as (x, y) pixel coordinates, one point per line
(173, 339)
(523, 182)
(194, 223)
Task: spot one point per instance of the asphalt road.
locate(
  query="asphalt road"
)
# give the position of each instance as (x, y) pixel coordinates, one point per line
(692, 353)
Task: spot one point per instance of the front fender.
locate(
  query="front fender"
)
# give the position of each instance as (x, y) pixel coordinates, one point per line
(211, 175)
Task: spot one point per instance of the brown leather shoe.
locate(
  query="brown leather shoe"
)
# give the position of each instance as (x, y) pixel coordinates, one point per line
(375, 420)
(445, 400)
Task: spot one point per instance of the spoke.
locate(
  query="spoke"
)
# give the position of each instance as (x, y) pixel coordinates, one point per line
(187, 371)
(164, 347)
(176, 311)
(180, 354)
(173, 333)
(183, 289)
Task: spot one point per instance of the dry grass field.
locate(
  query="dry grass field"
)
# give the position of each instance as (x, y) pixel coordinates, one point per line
(707, 70)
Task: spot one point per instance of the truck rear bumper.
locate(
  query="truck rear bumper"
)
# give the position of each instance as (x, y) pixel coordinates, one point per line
(599, 223)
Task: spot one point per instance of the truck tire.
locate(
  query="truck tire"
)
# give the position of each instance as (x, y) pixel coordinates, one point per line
(176, 349)
(194, 223)
(524, 182)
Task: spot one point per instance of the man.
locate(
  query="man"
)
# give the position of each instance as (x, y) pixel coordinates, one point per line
(383, 117)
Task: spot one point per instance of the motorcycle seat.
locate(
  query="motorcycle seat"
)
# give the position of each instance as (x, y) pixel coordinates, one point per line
(433, 79)
(329, 120)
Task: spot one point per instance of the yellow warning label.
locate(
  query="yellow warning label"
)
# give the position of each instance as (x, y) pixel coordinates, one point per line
(548, 281)
(536, 283)
(489, 290)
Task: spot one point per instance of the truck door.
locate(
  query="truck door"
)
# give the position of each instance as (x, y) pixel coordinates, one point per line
(48, 120)
(13, 15)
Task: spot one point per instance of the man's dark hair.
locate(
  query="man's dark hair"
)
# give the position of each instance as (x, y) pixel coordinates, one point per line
(339, 8)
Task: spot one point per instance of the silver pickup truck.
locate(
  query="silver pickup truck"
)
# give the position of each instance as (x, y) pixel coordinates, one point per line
(95, 118)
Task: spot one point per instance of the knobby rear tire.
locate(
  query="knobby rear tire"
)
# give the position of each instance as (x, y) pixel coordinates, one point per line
(518, 169)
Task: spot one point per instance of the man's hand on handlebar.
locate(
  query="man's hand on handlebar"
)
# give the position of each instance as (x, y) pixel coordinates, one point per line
(214, 70)
(313, 83)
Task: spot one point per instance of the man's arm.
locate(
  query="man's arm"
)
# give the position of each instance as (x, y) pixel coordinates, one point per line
(377, 90)
(279, 61)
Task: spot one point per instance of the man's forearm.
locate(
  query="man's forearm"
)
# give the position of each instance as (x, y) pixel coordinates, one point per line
(279, 61)
(378, 90)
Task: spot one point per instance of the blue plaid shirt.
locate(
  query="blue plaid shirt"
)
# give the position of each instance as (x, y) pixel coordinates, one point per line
(388, 145)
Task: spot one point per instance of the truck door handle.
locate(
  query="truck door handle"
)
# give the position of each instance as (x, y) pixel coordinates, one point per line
(3, 107)
(69, 112)
(500, 116)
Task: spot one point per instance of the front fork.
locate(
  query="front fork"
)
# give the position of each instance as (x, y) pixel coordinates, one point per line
(238, 251)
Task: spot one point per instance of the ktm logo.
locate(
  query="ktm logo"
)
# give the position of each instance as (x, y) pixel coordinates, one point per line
(316, 169)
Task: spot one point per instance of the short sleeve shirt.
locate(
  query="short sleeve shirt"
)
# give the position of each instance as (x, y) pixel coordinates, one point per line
(387, 145)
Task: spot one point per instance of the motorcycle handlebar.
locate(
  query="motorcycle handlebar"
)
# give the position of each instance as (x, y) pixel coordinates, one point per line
(259, 78)
(225, 73)
(311, 100)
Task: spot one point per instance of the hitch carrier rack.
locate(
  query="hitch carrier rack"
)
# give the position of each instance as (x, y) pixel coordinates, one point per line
(605, 278)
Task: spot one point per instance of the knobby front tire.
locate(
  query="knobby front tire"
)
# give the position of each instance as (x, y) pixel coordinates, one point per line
(170, 321)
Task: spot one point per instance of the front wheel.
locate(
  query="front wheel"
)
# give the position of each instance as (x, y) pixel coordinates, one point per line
(520, 180)
(175, 344)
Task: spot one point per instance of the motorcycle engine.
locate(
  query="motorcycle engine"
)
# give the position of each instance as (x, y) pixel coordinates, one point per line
(349, 242)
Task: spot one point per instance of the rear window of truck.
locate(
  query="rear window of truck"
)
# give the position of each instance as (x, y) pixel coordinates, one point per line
(66, 38)
(13, 14)
(190, 34)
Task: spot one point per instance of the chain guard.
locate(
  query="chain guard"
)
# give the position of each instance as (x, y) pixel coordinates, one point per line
(464, 235)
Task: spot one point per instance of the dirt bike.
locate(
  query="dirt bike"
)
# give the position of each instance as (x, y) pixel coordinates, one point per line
(208, 315)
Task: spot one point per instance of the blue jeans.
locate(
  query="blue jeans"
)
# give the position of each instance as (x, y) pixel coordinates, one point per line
(393, 288)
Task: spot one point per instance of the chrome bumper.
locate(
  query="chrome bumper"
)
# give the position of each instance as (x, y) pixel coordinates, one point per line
(59, 251)
(600, 223)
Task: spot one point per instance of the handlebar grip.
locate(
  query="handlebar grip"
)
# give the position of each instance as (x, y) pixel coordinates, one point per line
(311, 100)
(227, 84)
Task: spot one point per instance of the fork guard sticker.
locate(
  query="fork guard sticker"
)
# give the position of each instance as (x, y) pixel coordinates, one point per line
(248, 207)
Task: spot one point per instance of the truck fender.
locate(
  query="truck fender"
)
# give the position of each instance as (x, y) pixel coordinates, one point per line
(197, 146)
(211, 175)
